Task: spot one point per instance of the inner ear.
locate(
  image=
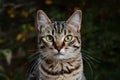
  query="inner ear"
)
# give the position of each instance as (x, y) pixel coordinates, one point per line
(75, 20)
(42, 19)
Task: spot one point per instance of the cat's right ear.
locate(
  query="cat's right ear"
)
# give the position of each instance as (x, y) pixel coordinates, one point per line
(41, 19)
(75, 20)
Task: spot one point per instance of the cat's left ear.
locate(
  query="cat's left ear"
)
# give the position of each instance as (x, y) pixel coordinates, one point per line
(42, 19)
(75, 20)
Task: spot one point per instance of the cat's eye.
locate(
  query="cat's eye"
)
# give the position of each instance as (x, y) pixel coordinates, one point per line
(68, 38)
(49, 38)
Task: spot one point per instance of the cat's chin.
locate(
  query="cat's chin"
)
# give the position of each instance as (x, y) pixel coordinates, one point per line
(60, 56)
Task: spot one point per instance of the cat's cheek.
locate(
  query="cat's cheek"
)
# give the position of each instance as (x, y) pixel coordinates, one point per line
(70, 52)
(62, 51)
(55, 51)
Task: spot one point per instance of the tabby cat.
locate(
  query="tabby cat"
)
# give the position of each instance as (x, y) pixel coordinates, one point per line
(59, 46)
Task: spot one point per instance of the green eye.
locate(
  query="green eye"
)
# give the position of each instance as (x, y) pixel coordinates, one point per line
(49, 38)
(68, 38)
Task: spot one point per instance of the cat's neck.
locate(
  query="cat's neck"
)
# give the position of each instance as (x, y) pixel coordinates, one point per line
(71, 63)
(69, 60)
(60, 67)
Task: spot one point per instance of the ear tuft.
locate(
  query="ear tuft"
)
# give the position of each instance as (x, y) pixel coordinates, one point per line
(42, 19)
(76, 19)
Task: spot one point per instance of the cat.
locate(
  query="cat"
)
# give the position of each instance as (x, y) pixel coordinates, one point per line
(59, 46)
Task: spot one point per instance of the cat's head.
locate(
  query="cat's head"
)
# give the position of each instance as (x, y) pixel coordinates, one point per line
(59, 39)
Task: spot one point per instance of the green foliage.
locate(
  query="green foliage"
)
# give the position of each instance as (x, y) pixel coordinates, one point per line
(100, 34)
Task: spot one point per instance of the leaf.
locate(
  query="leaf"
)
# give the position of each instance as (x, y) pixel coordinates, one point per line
(48, 2)
(31, 28)
(8, 55)
(25, 14)
(1, 68)
(19, 36)
(76, 8)
(3, 75)
(11, 13)
(1, 40)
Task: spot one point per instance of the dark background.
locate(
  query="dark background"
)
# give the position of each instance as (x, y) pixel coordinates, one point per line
(100, 35)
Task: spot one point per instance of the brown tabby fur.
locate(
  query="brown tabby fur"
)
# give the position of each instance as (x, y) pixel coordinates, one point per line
(59, 46)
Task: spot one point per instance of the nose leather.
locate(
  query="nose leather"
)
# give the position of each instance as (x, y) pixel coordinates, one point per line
(59, 45)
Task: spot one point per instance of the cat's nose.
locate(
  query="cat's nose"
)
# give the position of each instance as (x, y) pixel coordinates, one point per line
(58, 48)
(59, 45)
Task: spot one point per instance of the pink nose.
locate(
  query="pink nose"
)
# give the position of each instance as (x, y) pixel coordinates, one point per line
(58, 48)
(59, 45)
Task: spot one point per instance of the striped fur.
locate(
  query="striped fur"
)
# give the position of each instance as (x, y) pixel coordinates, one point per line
(58, 59)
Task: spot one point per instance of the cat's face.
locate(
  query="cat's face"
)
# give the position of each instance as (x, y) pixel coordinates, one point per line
(59, 40)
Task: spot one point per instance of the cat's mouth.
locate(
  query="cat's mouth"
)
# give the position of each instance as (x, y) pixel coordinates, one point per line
(59, 55)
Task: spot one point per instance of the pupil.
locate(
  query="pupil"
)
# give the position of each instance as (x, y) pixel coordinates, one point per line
(68, 37)
(49, 38)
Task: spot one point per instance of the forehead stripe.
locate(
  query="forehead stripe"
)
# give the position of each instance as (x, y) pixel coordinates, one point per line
(58, 27)
(53, 32)
(54, 25)
(63, 25)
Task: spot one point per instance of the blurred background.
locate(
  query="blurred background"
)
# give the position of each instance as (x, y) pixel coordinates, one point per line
(100, 35)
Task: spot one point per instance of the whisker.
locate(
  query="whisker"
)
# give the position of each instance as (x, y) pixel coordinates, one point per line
(92, 72)
(33, 54)
(32, 66)
(34, 58)
(86, 53)
(89, 61)
(35, 64)
(33, 50)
